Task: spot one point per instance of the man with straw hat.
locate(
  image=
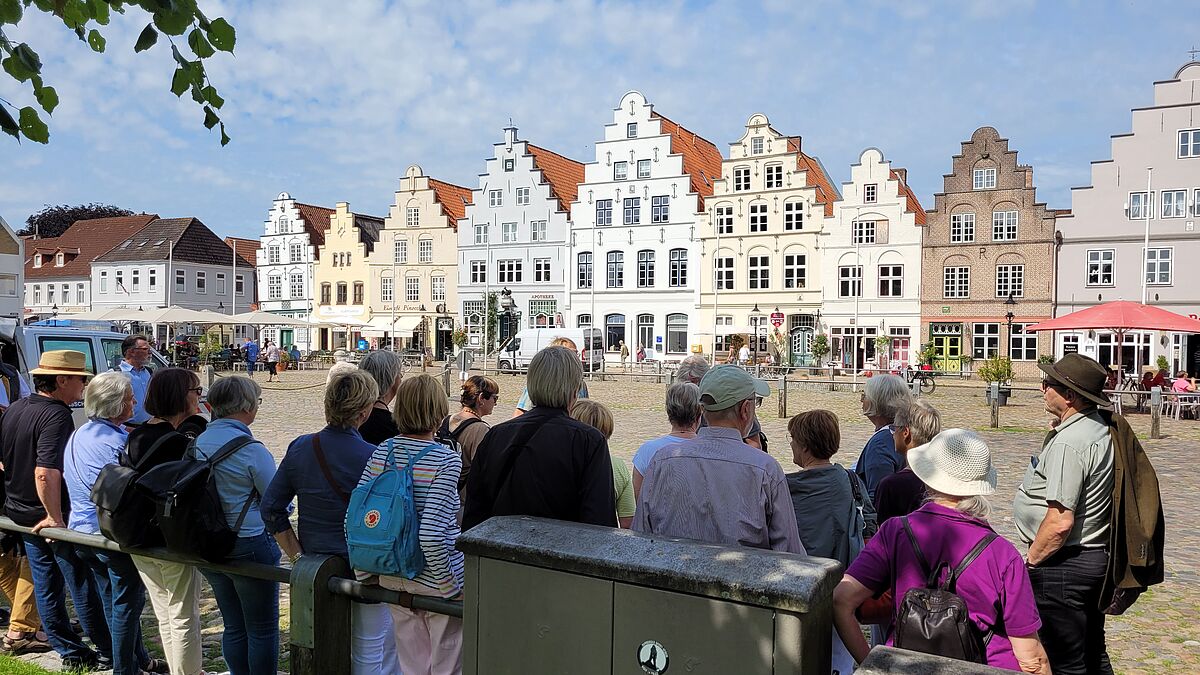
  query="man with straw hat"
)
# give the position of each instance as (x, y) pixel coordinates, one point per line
(33, 441)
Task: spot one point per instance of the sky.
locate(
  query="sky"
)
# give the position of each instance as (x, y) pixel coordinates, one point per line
(331, 101)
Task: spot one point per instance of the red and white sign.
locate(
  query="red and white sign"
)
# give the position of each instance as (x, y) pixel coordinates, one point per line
(777, 319)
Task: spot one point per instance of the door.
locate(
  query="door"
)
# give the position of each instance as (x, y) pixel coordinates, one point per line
(948, 353)
(801, 340)
(286, 338)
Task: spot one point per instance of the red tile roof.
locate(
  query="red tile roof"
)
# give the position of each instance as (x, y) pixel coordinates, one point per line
(815, 176)
(246, 248)
(701, 158)
(564, 175)
(453, 198)
(912, 205)
(92, 238)
(316, 222)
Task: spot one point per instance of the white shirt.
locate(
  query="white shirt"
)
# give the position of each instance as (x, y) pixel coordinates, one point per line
(744, 353)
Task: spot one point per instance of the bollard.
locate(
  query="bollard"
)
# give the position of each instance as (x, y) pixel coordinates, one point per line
(446, 379)
(210, 375)
(660, 372)
(320, 632)
(994, 388)
(1155, 412)
(832, 387)
(782, 396)
(915, 383)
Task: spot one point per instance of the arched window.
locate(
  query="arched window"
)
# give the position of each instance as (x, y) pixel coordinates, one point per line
(296, 252)
(284, 224)
(645, 331)
(616, 269)
(679, 267)
(614, 331)
(273, 254)
(341, 293)
(645, 272)
(677, 331)
(274, 286)
(584, 321)
(585, 271)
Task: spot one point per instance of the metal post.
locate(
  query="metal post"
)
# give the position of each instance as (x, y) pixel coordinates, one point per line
(660, 372)
(210, 375)
(994, 388)
(916, 387)
(782, 386)
(446, 379)
(320, 632)
(1155, 412)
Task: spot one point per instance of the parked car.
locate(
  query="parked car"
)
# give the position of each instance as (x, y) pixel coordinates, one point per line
(516, 355)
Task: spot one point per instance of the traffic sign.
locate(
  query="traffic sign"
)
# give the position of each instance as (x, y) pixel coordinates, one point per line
(777, 319)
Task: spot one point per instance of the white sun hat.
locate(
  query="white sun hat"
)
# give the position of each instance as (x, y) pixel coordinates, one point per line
(956, 462)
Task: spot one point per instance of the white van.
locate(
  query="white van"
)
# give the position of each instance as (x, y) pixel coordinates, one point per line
(516, 355)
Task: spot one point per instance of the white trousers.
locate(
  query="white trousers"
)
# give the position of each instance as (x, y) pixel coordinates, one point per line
(374, 640)
(174, 591)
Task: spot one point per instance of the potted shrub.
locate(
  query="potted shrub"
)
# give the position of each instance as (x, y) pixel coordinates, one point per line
(883, 349)
(967, 362)
(997, 369)
(1045, 359)
(1162, 363)
(819, 349)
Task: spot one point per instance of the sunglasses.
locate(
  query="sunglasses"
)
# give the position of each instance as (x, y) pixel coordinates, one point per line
(197, 390)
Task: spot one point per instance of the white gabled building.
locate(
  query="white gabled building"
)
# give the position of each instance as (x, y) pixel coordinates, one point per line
(514, 236)
(634, 246)
(291, 240)
(871, 262)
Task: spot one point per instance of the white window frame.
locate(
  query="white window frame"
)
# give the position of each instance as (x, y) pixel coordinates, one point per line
(1097, 260)
(584, 269)
(509, 271)
(795, 271)
(412, 289)
(387, 288)
(793, 215)
(152, 280)
(541, 270)
(620, 170)
(631, 130)
(773, 176)
(1022, 346)
(962, 228)
(295, 285)
(400, 251)
(677, 267)
(1157, 263)
(522, 196)
(758, 272)
(508, 233)
(985, 340)
(437, 287)
(643, 169)
(478, 272)
(758, 217)
(481, 234)
(275, 286)
(274, 254)
(632, 213)
(850, 280)
(1138, 205)
(239, 284)
(741, 179)
(871, 193)
(1010, 279)
(863, 232)
(983, 179)
(756, 145)
(724, 216)
(956, 282)
(495, 198)
(1174, 204)
(180, 281)
(891, 281)
(537, 230)
(221, 285)
(1004, 225)
(604, 212)
(723, 273)
(1188, 150)
(424, 250)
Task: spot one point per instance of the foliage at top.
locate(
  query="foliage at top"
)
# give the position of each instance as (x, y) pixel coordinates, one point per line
(996, 369)
(53, 221)
(172, 18)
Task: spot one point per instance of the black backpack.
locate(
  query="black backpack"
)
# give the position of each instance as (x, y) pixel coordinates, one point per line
(449, 439)
(125, 513)
(188, 507)
(934, 619)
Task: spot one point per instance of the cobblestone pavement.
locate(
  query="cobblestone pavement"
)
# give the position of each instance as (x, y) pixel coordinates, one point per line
(1160, 634)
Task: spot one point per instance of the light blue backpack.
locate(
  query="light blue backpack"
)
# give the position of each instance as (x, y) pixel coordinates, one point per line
(382, 528)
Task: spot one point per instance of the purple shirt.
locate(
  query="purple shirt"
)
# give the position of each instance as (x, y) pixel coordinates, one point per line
(995, 587)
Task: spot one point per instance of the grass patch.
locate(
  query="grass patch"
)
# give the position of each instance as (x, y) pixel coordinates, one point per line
(11, 666)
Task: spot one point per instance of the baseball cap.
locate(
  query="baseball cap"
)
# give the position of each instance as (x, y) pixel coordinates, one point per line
(728, 385)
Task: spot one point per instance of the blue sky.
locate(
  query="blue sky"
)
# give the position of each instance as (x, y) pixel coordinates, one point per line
(332, 105)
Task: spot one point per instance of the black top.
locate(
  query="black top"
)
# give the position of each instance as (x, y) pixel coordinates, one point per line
(33, 434)
(899, 495)
(141, 438)
(379, 427)
(564, 472)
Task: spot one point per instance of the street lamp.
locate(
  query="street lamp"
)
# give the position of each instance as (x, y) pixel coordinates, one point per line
(1011, 304)
(756, 317)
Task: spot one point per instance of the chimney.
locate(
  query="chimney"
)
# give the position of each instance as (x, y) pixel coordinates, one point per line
(902, 174)
(1029, 177)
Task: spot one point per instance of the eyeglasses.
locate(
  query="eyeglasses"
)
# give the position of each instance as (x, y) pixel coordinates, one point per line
(197, 390)
(758, 401)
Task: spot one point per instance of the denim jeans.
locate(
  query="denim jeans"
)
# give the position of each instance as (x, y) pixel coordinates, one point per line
(53, 566)
(249, 610)
(1067, 589)
(124, 597)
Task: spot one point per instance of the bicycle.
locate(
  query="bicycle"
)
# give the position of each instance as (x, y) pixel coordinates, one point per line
(928, 384)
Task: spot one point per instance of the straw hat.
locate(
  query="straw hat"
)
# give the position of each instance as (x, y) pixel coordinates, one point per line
(956, 462)
(62, 362)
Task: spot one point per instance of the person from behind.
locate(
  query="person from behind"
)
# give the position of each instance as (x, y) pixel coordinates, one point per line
(136, 351)
(467, 427)
(249, 607)
(956, 467)
(320, 471)
(693, 369)
(741, 491)
(684, 414)
(544, 463)
(902, 492)
(598, 416)
(386, 369)
(883, 396)
(272, 354)
(173, 401)
(524, 404)
(426, 642)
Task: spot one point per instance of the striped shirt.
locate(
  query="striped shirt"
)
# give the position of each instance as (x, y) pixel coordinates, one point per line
(435, 494)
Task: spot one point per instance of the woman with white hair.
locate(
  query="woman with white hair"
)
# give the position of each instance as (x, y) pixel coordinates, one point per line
(386, 369)
(108, 402)
(882, 397)
(684, 414)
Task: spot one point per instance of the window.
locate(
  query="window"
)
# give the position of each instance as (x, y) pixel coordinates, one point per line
(152, 280)
(631, 130)
(1140, 207)
(756, 145)
(541, 269)
(180, 281)
(481, 234)
(850, 281)
(523, 196)
(679, 271)
(984, 179)
(724, 220)
(1022, 346)
(239, 285)
(135, 282)
(956, 282)
(1189, 143)
(478, 272)
(120, 279)
(274, 287)
(508, 232)
(603, 212)
(645, 330)
(542, 313)
(616, 269)
(283, 226)
(37, 259)
(510, 164)
(660, 209)
(1174, 203)
(614, 333)
(59, 259)
(870, 193)
(633, 210)
(495, 198)
(1010, 279)
(295, 253)
(358, 292)
(891, 281)
(37, 295)
(295, 283)
(1158, 266)
(864, 232)
(438, 288)
(645, 271)
(723, 272)
(508, 271)
(741, 179)
(759, 267)
(985, 340)
(50, 297)
(774, 176)
(78, 292)
(620, 170)
(584, 269)
(400, 252)
(758, 217)
(537, 230)
(412, 288)
(341, 293)
(387, 288)
(793, 215)
(425, 251)
(584, 321)
(1100, 267)
(325, 294)
(1004, 225)
(273, 253)
(220, 282)
(677, 326)
(643, 168)
(795, 270)
(962, 228)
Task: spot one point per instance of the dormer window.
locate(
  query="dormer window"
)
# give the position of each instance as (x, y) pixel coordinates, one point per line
(37, 260)
(756, 145)
(59, 259)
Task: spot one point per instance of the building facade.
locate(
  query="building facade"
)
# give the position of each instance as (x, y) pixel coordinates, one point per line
(1149, 189)
(291, 239)
(759, 250)
(514, 237)
(12, 273)
(340, 276)
(987, 240)
(871, 267)
(634, 245)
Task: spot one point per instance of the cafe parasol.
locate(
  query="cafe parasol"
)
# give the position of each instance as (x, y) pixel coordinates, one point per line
(1120, 317)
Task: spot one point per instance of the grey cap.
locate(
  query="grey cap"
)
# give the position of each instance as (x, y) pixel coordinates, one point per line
(728, 385)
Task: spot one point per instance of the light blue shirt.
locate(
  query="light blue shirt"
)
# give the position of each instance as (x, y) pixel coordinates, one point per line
(140, 378)
(248, 469)
(92, 446)
(641, 458)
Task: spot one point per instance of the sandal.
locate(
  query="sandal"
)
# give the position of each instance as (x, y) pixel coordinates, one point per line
(157, 666)
(28, 643)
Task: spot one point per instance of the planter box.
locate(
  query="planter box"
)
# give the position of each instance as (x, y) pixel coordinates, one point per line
(1004, 394)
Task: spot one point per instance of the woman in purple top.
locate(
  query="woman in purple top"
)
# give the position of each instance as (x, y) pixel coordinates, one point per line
(956, 466)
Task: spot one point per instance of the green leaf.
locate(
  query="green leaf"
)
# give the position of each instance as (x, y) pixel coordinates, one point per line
(199, 44)
(8, 125)
(224, 137)
(28, 58)
(202, 20)
(210, 118)
(99, 11)
(147, 39)
(175, 18)
(175, 54)
(197, 95)
(210, 94)
(13, 66)
(47, 98)
(33, 127)
(74, 14)
(196, 70)
(10, 12)
(96, 40)
(180, 82)
(222, 35)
